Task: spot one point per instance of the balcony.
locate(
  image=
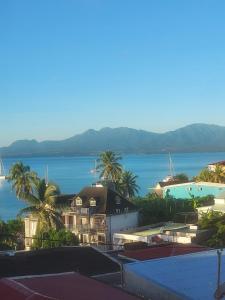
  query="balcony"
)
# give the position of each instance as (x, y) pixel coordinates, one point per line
(87, 228)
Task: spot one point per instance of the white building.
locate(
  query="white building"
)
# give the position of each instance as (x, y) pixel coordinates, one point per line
(94, 215)
(167, 231)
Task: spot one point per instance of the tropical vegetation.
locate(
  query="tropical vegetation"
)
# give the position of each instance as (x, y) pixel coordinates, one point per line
(12, 235)
(109, 166)
(54, 238)
(153, 208)
(44, 204)
(22, 179)
(112, 173)
(215, 223)
(42, 199)
(216, 176)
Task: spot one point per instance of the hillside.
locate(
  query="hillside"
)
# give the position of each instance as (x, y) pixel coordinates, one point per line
(192, 138)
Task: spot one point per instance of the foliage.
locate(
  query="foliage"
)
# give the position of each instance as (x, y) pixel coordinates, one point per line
(109, 166)
(181, 177)
(217, 176)
(54, 238)
(215, 221)
(22, 179)
(154, 209)
(127, 185)
(12, 234)
(44, 205)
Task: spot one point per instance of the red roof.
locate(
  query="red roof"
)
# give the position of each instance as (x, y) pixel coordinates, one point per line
(163, 251)
(60, 287)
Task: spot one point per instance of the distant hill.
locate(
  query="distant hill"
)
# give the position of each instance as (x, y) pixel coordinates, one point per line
(192, 138)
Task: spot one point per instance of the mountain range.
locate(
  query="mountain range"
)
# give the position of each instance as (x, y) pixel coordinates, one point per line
(191, 138)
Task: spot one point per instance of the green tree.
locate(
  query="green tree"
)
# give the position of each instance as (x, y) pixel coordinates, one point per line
(109, 166)
(12, 234)
(218, 174)
(215, 223)
(44, 204)
(205, 175)
(181, 177)
(127, 185)
(54, 238)
(22, 179)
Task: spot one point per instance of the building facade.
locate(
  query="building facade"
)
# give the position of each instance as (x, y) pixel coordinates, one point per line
(94, 215)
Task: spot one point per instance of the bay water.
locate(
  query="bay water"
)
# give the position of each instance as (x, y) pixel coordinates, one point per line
(73, 173)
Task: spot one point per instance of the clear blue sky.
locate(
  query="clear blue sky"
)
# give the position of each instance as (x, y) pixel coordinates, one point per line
(70, 65)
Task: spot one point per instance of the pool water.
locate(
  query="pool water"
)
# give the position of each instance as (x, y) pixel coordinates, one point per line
(188, 190)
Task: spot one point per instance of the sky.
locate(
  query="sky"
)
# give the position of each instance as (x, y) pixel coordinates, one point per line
(70, 65)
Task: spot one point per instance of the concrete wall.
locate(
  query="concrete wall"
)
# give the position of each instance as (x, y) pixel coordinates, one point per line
(146, 288)
(121, 222)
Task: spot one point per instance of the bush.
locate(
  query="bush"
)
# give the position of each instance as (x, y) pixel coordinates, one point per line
(54, 238)
(12, 235)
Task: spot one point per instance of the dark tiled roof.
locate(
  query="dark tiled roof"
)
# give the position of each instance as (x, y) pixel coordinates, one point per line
(163, 250)
(65, 199)
(172, 182)
(106, 200)
(84, 260)
(60, 287)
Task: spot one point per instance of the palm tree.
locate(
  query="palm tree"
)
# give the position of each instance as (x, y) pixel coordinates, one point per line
(204, 175)
(127, 184)
(109, 166)
(44, 204)
(22, 179)
(219, 174)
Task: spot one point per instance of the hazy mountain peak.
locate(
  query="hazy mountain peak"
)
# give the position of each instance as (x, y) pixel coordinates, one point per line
(191, 138)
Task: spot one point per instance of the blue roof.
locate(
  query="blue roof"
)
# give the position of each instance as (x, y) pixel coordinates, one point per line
(191, 276)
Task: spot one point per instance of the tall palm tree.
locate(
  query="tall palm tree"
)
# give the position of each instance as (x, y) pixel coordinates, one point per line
(22, 179)
(44, 204)
(109, 166)
(127, 184)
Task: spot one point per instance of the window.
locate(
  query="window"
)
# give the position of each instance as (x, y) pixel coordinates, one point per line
(78, 201)
(92, 201)
(117, 210)
(117, 200)
(101, 238)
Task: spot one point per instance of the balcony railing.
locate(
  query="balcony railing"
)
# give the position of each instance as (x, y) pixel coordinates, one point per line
(86, 228)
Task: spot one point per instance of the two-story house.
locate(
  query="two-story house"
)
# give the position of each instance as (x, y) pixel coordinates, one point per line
(97, 212)
(94, 215)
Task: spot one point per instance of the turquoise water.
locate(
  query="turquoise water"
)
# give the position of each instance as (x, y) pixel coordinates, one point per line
(193, 189)
(73, 173)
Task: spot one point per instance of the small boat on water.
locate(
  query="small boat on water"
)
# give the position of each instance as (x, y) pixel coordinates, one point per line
(2, 170)
(94, 170)
(170, 177)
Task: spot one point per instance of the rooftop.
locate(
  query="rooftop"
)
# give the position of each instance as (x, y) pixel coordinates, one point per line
(164, 250)
(153, 229)
(106, 200)
(65, 286)
(85, 260)
(191, 276)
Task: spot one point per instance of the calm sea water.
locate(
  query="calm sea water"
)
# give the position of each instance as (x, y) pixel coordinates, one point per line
(73, 173)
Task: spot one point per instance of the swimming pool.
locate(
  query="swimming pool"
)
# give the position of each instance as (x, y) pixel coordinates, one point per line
(196, 189)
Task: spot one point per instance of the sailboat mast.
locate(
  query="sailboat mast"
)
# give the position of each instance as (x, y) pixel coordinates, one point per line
(171, 166)
(46, 175)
